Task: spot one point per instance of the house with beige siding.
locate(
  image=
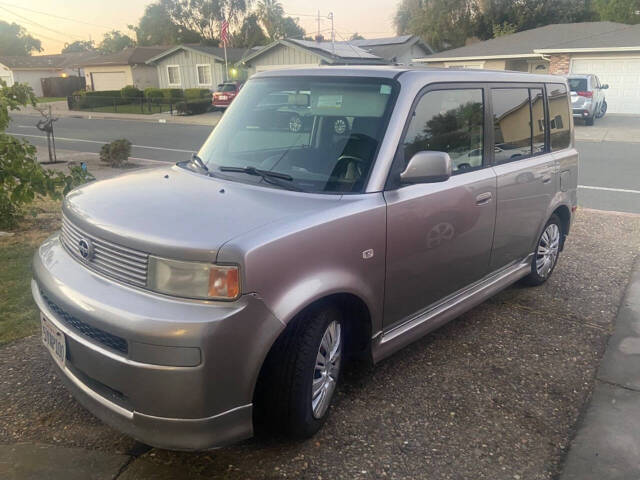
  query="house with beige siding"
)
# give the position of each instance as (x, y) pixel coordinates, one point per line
(117, 70)
(197, 66)
(293, 53)
(606, 49)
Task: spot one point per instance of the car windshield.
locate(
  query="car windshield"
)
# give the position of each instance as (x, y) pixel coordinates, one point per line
(226, 87)
(321, 132)
(578, 84)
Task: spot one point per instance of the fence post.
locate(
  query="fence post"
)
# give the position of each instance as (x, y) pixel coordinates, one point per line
(115, 106)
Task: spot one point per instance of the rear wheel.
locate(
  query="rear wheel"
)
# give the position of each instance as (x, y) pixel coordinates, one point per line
(603, 109)
(546, 254)
(300, 375)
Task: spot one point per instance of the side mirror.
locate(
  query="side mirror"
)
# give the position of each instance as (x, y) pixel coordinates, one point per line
(427, 167)
(605, 86)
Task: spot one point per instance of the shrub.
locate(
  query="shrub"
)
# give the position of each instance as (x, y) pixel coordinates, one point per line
(78, 93)
(196, 93)
(130, 92)
(116, 153)
(153, 92)
(193, 107)
(173, 94)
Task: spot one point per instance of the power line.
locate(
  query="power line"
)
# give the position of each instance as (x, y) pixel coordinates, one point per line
(25, 19)
(55, 16)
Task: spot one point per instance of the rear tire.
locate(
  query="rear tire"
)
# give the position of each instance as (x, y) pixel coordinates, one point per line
(603, 109)
(545, 256)
(304, 363)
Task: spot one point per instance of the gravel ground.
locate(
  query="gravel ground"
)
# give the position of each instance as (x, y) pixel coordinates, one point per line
(494, 394)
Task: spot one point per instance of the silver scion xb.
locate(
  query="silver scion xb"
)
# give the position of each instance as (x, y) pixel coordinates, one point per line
(332, 213)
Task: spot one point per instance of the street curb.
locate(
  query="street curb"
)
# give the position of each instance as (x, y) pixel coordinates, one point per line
(607, 443)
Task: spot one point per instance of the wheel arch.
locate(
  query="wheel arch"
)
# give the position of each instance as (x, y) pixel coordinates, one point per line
(564, 214)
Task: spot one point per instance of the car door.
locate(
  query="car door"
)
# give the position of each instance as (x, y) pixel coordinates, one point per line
(524, 166)
(439, 234)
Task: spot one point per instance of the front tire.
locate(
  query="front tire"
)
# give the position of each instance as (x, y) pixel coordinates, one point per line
(299, 377)
(589, 121)
(603, 109)
(546, 254)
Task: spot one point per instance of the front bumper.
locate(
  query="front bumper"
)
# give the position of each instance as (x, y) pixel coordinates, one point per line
(185, 378)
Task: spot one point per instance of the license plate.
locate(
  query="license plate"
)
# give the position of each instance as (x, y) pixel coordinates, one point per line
(223, 97)
(53, 339)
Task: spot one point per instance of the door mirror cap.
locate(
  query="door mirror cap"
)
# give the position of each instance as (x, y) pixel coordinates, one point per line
(605, 86)
(427, 167)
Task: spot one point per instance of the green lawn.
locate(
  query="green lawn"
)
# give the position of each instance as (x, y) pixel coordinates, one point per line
(49, 99)
(18, 312)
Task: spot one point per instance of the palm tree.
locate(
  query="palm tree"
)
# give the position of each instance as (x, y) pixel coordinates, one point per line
(270, 13)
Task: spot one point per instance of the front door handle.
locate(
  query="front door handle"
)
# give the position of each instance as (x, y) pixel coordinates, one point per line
(546, 178)
(483, 198)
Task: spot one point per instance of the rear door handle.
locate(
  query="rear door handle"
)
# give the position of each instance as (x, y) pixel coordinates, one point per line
(546, 178)
(483, 198)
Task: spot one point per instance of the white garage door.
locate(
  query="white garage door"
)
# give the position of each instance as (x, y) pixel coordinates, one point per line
(622, 75)
(108, 80)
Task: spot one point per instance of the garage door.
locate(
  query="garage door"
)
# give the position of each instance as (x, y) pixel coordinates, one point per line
(623, 77)
(108, 80)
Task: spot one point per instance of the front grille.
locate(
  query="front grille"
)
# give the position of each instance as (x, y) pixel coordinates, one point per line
(115, 261)
(108, 340)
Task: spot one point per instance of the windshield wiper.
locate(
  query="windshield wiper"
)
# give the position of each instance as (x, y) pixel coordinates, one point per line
(199, 162)
(268, 176)
(258, 172)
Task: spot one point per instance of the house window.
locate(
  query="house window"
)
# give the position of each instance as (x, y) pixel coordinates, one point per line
(204, 74)
(173, 74)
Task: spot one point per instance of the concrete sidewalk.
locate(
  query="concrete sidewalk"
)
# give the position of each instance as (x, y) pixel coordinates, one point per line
(611, 128)
(60, 109)
(607, 444)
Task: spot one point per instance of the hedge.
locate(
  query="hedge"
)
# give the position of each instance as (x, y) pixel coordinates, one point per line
(130, 91)
(197, 93)
(193, 107)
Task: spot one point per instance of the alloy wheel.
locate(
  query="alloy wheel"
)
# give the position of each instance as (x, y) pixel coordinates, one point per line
(548, 248)
(327, 369)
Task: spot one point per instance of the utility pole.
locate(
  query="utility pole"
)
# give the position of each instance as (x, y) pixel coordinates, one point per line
(333, 37)
(318, 34)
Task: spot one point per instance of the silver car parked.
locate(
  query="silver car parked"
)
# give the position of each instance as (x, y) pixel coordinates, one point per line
(587, 97)
(225, 293)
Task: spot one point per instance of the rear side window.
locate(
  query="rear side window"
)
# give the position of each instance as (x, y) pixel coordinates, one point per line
(450, 121)
(559, 119)
(578, 84)
(511, 124)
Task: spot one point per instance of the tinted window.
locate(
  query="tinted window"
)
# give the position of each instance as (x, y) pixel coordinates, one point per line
(448, 121)
(578, 84)
(511, 124)
(537, 115)
(559, 120)
(226, 87)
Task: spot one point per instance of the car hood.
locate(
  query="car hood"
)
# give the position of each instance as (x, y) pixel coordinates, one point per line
(177, 213)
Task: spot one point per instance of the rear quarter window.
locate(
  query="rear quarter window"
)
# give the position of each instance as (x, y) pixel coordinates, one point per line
(559, 119)
(578, 84)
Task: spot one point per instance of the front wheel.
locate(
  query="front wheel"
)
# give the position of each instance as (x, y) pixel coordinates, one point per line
(603, 109)
(300, 375)
(546, 254)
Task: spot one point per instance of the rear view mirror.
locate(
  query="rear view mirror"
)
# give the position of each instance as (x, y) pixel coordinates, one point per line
(427, 167)
(605, 86)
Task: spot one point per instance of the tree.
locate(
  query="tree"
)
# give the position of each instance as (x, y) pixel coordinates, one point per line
(155, 27)
(205, 17)
(14, 40)
(250, 33)
(270, 13)
(623, 11)
(115, 41)
(356, 36)
(289, 28)
(79, 46)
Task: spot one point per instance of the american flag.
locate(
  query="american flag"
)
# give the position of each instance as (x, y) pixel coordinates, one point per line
(224, 32)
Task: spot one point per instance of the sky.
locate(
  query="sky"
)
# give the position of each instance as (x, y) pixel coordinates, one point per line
(56, 22)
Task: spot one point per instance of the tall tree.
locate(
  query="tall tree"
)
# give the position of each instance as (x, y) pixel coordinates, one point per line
(623, 11)
(289, 27)
(206, 16)
(115, 41)
(14, 40)
(270, 13)
(155, 27)
(356, 36)
(250, 33)
(79, 46)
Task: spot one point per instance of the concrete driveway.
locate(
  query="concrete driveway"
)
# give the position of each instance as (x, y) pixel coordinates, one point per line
(495, 394)
(611, 128)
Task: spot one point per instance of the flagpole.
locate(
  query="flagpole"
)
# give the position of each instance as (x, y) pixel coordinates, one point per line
(226, 67)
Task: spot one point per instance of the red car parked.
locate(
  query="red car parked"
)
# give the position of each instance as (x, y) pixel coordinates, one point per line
(225, 94)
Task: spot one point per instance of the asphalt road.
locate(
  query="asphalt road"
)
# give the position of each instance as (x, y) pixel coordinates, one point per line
(609, 175)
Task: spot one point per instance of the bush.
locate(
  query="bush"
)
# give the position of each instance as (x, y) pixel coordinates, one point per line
(130, 92)
(78, 93)
(172, 94)
(193, 107)
(104, 93)
(116, 153)
(196, 93)
(153, 92)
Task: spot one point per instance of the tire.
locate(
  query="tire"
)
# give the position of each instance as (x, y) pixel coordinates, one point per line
(603, 110)
(540, 272)
(283, 400)
(588, 121)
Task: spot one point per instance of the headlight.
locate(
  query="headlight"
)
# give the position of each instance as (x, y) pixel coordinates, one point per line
(193, 279)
